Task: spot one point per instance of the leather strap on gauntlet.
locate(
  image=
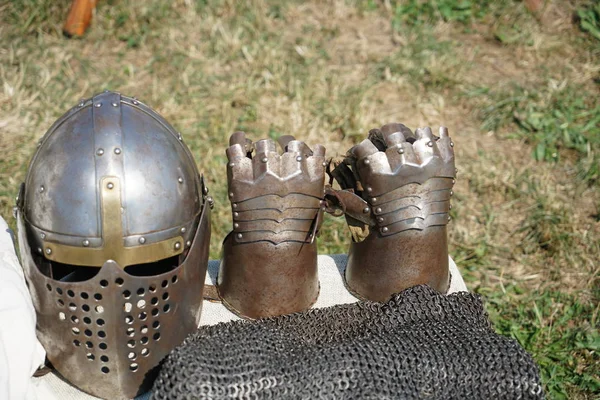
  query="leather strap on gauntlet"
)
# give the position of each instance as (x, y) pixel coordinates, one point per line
(396, 190)
(269, 264)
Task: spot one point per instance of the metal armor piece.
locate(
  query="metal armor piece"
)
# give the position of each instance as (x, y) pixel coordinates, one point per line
(396, 190)
(114, 232)
(419, 345)
(269, 264)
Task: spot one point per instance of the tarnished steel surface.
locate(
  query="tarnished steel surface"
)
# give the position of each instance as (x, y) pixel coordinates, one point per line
(381, 266)
(396, 190)
(111, 135)
(106, 335)
(269, 264)
(260, 279)
(283, 202)
(274, 214)
(297, 171)
(431, 187)
(274, 237)
(112, 236)
(114, 232)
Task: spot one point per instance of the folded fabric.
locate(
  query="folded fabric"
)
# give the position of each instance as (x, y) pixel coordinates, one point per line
(420, 344)
(20, 352)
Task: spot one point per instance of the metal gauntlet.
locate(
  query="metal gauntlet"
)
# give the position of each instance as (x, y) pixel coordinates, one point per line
(269, 264)
(396, 190)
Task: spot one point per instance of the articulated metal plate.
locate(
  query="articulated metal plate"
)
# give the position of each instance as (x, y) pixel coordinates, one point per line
(269, 264)
(396, 190)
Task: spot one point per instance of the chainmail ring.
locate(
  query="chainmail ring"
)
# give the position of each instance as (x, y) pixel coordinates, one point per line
(418, 345)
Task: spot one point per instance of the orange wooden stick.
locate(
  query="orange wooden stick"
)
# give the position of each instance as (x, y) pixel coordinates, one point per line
(80, 17)
(534, 5)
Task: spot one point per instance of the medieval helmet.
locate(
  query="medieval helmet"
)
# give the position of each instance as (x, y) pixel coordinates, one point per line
(114, 231)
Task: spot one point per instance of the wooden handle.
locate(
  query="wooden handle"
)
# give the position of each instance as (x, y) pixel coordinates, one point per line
(79, 17)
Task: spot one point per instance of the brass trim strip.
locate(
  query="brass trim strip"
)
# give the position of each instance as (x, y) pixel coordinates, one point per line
(113, 239)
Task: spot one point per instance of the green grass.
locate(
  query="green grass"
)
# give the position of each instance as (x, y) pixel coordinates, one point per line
(547, 327)
(589, 19)
(552, 121)
(518, 92)
(418, 13)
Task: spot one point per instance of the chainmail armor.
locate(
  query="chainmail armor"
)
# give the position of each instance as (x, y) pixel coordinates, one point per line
(418, 345)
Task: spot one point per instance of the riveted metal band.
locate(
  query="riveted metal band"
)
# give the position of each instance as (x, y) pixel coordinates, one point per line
(275, 197)
(250, 178)
(425, 198)
(273, 237)
(300, 225)
(273, 201)
(380, 182)
(275, 214)
(418, 223)
(434, 184)
(422, 211)
(112, 237)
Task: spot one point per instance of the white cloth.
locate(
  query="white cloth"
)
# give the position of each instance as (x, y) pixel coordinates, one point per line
(333, 291)
(20, 349)
(20, 352)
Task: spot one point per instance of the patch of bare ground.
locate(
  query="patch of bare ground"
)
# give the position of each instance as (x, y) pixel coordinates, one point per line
(545, 46)
(352, 40)
(503, 203)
